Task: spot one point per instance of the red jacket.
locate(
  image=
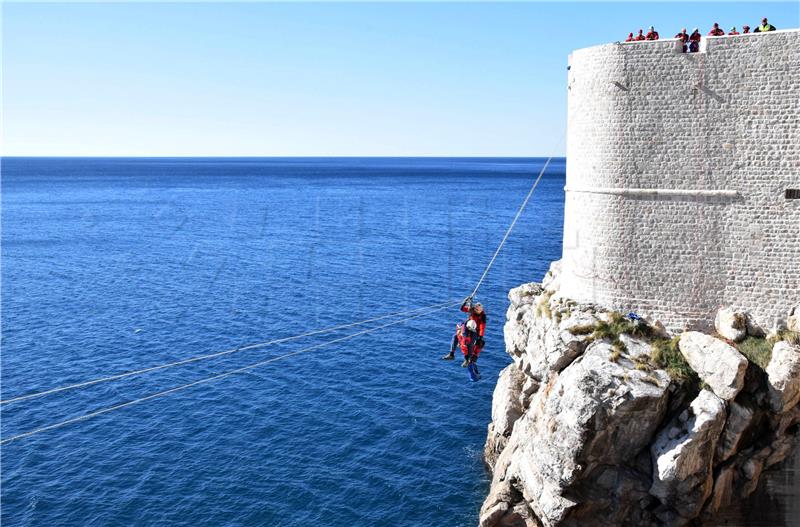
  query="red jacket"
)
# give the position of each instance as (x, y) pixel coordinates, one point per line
(716, 32)
(466, 342)
(480, 319)
(652, 35)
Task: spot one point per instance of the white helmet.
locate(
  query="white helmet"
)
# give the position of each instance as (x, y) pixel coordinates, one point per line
(471, 325)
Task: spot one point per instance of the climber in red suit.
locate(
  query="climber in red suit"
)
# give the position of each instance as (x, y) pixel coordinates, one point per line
(473, 329)
(465, 338)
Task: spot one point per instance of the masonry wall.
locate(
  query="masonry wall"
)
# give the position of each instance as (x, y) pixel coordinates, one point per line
(677, 169)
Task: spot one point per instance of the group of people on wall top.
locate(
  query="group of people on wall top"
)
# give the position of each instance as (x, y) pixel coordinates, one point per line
(691, 42)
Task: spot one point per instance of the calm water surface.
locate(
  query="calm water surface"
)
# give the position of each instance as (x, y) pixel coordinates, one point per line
(109, 265)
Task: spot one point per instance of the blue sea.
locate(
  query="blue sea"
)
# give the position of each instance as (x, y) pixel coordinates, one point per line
(110, 265)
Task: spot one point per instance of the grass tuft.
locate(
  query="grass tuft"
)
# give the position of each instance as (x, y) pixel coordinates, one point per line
(668, 356)
(757, 350)
(792, 337)
(582, 329)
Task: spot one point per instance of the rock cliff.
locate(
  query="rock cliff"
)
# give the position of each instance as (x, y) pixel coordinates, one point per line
(604, 419)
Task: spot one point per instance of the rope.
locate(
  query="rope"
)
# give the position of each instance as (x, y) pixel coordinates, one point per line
(511, 227)
(211, 355)
(218, 376)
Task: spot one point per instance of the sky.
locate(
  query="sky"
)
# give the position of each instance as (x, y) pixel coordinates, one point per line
(312, 79)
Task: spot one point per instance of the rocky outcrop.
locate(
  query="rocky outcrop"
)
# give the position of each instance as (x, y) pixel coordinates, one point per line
(600, 420)
(783, 374)
(682, 464)
(718, 364)
(731, 324)
(793, 320)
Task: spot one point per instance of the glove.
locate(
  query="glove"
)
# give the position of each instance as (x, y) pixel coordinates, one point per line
(479, 342)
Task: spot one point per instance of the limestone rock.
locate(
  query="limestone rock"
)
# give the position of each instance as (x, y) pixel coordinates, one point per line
(740, 418)
(506, 407)
(524, 294)
(731, 324)
(783, 374)
(793, 320)
(597, 412)
(718, 364)
(724, 490)
(682, 467)
(537, 331)
(551, 281)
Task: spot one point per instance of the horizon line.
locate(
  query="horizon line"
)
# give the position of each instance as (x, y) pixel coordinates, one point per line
(276, 157)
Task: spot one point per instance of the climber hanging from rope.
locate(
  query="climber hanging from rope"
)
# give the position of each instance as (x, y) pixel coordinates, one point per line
(466, 338)
(469, 336)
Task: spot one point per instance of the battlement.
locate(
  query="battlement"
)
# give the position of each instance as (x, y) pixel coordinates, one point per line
(680, 171)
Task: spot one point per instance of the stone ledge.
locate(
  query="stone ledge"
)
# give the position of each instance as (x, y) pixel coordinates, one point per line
(656, 192)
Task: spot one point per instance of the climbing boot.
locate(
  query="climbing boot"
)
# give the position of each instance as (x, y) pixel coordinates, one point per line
(449, 356)
(465, 363)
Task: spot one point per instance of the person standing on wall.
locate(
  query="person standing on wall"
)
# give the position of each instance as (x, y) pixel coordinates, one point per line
(764, 27)
(694, 41)
(745, 29)
(652, 34)
(733, 31)
(716, 31)
(639, 36)
(683, 36)
(630, 37)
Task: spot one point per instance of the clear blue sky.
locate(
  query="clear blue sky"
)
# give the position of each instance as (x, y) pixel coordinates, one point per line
(312, 79)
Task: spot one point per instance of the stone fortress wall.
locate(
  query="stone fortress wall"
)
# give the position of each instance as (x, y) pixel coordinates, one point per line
(678, 167)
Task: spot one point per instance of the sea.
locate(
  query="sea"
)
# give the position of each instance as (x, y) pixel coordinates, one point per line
(111, 265)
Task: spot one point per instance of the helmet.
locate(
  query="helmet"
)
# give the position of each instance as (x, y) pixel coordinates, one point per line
(652, 28)
(479, 307)
(471, 325)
